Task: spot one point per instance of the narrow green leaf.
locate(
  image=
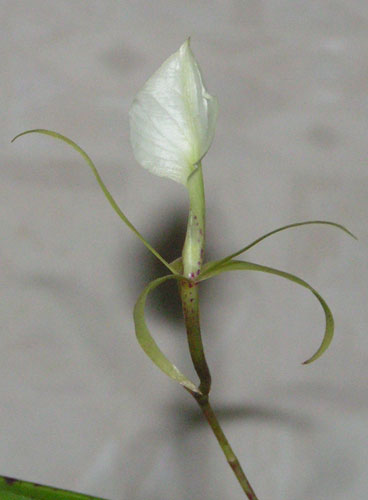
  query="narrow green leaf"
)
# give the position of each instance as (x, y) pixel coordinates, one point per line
(14, 489)
(6, 495)
(147, 342)
(296, 224)
(102, 185)
(237, 265)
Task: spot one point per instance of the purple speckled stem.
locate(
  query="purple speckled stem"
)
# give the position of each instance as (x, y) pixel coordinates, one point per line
(193, 250)
(192, 257)
(190, 303)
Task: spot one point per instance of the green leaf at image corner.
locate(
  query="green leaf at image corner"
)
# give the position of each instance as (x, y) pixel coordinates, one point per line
(7, 495)
(15, 489)
(215, 268)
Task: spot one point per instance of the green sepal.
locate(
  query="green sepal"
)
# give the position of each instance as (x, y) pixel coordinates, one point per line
(147, 342)
(177, 265)
(15, 489)
(289, 226)
(102, 185)
(237, 265)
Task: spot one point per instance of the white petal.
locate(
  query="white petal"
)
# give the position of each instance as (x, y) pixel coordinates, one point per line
(173, 118)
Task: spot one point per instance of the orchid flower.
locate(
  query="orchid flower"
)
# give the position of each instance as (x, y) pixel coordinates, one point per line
(172, 125)
(173, 118)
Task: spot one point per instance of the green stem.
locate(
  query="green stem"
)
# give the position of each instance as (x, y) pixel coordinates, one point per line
(225, 446)
(192, 256)
(193, 250)
(190, 302)
(192, 259)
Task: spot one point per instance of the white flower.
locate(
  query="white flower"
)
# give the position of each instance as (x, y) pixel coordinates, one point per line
(173, 118)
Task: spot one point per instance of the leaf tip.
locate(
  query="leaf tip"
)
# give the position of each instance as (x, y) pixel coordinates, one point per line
(15, 138)
(28, 132)
(307, 362)
(317, 355)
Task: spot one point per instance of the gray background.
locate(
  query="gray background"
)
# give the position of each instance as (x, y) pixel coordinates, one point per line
(81, 405)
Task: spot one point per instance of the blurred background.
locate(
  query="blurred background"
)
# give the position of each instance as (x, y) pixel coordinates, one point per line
(81, 406)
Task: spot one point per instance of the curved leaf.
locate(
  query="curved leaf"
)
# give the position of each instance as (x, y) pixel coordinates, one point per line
(296, 224)
(237, 265)
(14, 489)
(102, 185)
(147, 342)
